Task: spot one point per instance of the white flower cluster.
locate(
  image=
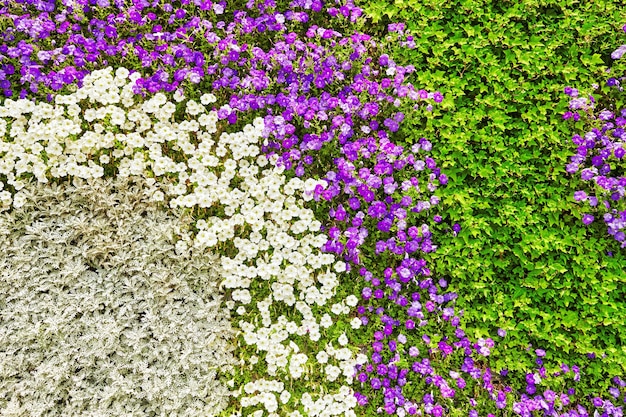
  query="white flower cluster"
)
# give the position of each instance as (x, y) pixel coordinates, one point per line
(186, 164)
(74, 138)
(99, 315)
(265, 396)
(345, 361)
(279, 247)
(342, 403)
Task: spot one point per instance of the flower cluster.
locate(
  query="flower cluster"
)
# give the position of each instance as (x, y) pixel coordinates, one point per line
(48, 47)
(43, 140)
(600, 159)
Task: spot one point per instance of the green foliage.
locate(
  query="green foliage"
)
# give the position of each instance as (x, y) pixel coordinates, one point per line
(523, 261)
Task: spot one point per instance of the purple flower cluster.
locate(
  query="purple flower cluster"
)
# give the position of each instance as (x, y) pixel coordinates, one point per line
(472, 381)
(550, 403)
(600, 159)
(47, 49)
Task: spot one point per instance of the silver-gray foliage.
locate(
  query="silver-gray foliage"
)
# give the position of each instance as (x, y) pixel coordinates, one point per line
(100, 314)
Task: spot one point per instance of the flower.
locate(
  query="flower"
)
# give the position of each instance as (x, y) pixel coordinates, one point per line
(375, 383)
(580, 196)
(587, 219)
(322, 357)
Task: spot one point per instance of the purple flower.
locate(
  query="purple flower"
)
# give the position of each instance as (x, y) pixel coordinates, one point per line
(597, 160)
(549, 395)
(580, 195)
(366, 293)
(587, 219)
(381, 369)
(376, 384)
(588, 174)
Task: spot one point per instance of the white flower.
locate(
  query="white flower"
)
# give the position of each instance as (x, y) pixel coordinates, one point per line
(322, 356)
(261, 161)
(285, 396)
(340, 267)
(315, 226)
(336, 309)
(332, 372)
(326, 321)
(206, 99)
(352, 300)
(19, 200)
(343, 339)
(356, 323)
(269, 400)
(315, 335)
(158, 196)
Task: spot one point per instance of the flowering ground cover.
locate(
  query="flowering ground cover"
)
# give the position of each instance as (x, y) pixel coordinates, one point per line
(331, 192)
(522, 261)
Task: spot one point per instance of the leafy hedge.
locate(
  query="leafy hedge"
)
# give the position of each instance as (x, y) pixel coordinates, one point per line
(523, 260)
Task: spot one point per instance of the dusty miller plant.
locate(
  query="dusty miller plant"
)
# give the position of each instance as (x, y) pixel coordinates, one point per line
(102, 312)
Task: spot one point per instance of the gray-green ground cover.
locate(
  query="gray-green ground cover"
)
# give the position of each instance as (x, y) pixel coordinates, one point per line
(102, 313)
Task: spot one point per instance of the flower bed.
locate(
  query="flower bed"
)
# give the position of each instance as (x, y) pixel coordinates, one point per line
(274, 128)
